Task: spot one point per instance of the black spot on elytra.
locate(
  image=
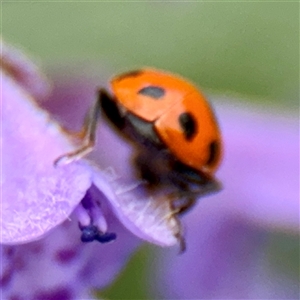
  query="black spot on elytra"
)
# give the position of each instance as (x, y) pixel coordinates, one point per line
(188, 125)
(152, 91)
(133, 73)
(214, 149)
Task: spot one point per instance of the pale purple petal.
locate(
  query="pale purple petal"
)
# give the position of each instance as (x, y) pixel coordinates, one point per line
(260, 172)
(23, 71)
(146, 214)
(225, 259)
(36, 196)
(61, 266)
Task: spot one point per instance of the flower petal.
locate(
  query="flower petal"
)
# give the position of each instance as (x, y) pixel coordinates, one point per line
(260, 172)
(225, 259)
(146, 214)
(36, 196)
(23, 71)
(61, 266)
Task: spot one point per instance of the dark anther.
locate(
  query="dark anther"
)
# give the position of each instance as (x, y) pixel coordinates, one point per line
(91, 233)
(106, 237)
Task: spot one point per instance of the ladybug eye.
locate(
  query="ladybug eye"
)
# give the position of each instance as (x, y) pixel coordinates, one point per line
(213, 152)
(152, 91)
(188, 125)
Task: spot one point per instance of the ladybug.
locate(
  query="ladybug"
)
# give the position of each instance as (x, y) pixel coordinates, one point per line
(172, 125)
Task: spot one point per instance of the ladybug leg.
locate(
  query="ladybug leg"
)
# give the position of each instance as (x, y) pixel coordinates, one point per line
(87, 134)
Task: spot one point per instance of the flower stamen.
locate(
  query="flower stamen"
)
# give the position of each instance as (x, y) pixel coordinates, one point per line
(92, 222)
(91, 233)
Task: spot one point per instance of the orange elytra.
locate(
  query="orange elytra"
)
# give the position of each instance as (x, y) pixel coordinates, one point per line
(181, 116)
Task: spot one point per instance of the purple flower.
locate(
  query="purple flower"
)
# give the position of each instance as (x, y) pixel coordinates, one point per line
(48, 213)
(228, 235)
